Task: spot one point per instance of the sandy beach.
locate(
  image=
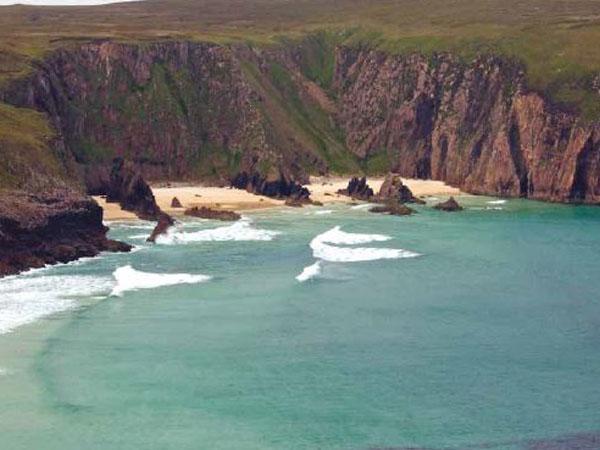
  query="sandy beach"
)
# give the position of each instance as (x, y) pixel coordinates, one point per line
(323, 189)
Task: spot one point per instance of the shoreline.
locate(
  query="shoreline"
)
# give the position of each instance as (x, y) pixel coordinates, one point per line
(323, 189)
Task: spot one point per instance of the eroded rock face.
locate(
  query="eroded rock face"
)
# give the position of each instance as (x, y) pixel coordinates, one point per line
(358, 189)
(50, 228)
(472, 124)
(393, 189)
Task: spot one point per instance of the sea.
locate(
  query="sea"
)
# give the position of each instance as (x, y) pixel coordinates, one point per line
(315, 328)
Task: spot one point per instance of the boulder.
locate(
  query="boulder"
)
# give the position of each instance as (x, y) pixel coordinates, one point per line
(358, 189)
(208, 213)
(175, 203)
(393, 208)
(165, 222)
(276, 185)
(449, 205)
(394, 189)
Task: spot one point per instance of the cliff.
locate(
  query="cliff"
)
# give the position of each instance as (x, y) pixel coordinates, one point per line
(199, 111)
(472, 124)
(58, 226)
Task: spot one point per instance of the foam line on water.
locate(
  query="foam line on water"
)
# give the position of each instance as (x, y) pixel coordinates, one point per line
(323, 212)
(130, 279)
(362, 206)
(25, 299)
(242, 230)
(326, 246)
(496, 202)
(309, 272)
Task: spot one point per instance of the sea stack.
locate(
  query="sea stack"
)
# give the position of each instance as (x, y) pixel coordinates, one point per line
(358, 189)
(450, 205)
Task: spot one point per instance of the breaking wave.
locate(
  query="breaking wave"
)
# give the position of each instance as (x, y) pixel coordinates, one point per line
(129, 279)
(242, 230)
(323, 212)
(309, 272)
(326, 246)
(25, 299)
(496, 202)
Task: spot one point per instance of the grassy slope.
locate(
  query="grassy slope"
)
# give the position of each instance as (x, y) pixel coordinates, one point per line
(556, 39)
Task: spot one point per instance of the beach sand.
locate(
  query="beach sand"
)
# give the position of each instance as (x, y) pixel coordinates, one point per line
(323, 189)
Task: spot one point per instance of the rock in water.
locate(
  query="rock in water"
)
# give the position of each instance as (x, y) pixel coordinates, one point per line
(175, 203)
(449, 205)
(394, 189)
(208, 213)
(393, 208)
(54, 227)
(165, 222)
(358, 189)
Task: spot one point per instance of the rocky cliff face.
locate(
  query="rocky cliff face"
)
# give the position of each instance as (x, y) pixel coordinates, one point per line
(180, 110)
(184, 110)
(58, 226)
(473, 124)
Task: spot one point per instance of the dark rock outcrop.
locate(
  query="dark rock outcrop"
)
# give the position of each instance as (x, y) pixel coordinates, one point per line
(449, 205)
(165, 222)
(175, 203)
(394, 189)
(358, 189)
(56, 227)
(128, 188)
(276, 186)
(208, 213)
(393, 208)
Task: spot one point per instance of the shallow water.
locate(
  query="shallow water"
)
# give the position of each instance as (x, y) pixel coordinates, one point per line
(477, 330)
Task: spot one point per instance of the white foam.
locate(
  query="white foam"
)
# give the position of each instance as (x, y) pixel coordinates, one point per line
(309, 272)
(326, 246)
(129, 279)
(323, 212)
(25, 299)
(496, 202)
(362, 206)
(242, 230)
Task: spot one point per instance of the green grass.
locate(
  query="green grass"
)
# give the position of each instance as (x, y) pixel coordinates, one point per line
(24, 145)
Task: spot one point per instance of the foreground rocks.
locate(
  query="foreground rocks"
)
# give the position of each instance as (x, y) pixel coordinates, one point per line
(358, 189)
(50, 228)
(208, 213)
(449, 205)
(165, 222)
(393, 189)
(392, 208)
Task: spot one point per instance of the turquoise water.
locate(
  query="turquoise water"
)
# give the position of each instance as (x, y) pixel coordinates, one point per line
(488, 339)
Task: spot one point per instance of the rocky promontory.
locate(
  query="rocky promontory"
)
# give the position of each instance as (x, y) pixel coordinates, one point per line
(55, 227)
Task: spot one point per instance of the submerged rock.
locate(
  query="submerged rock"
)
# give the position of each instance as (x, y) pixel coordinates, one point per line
(393, 208)
(50, 228)
(449, 205)
(208, 213)
(394, 189)
(358, 189)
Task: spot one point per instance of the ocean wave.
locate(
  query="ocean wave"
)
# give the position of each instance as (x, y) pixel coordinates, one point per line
(25, 299)
(242, 230)
(129, 279)
(362, 206)
(325, 246)
(309, 272)
(323, 212)
(496, 202)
